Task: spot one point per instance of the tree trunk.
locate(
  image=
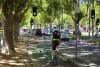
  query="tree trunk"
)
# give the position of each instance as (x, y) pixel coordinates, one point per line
(9, 36)
(16, 32)
(13, 11)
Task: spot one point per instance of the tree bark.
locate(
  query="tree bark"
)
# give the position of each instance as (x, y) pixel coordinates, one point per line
(13, 12)
(9, 36)
(16, 32)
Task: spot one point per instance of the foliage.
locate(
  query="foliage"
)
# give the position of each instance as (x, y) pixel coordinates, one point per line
(26, 19)
(79, 16)
(13, 12)
(87, 6)
(50, 11)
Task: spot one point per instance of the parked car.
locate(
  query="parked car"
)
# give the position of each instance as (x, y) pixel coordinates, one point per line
(65, 35)
(97, 33)
(38, 32)
(46, 31)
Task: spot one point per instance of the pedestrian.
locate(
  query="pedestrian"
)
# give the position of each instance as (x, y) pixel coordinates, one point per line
(55, 41)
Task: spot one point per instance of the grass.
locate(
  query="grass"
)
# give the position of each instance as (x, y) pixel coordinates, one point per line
(94, 41)
(81, 37)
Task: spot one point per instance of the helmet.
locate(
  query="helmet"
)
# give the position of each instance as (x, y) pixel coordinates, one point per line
(54, 28)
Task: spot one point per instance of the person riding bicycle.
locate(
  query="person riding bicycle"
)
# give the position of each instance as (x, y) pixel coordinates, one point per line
(55, 41)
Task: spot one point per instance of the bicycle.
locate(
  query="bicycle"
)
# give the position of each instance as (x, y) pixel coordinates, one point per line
(55, 59)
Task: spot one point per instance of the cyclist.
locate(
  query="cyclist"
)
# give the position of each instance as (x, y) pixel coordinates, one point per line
(55, 41)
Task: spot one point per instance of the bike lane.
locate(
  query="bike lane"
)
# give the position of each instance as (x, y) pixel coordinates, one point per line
(41, 53)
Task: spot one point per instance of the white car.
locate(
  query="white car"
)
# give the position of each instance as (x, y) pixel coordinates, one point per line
(46, 31)
(97, 33)
(65, 35)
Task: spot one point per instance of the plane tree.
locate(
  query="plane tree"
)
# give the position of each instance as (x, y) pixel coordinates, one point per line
(13, 11)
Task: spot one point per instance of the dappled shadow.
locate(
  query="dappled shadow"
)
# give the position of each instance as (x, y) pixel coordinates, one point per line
(20, 58)
(41, 55)
(16, 60)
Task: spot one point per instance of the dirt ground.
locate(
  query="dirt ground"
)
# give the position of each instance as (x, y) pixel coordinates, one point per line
(20, 58)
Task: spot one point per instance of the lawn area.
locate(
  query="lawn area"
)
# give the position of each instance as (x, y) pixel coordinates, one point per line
(86, 37)
(95, 41)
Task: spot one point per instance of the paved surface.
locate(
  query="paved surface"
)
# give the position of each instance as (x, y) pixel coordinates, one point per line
(90, 53)
(41, 53)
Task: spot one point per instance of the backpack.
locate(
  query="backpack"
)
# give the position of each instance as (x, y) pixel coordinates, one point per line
(56, 34)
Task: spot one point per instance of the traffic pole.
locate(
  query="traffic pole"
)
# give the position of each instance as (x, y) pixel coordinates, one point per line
(77, 10)
(93, 21)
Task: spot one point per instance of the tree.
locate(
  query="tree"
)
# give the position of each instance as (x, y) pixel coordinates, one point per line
(13, 11)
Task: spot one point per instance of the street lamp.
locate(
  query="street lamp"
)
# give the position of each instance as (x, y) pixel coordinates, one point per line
(92, 17)
(77, 11)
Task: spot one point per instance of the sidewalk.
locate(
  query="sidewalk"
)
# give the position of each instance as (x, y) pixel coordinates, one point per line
(20, 58)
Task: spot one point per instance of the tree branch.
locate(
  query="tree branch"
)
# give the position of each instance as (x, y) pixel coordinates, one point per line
(19, 13)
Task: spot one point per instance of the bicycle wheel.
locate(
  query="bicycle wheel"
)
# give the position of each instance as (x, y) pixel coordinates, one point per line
(55, 59)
